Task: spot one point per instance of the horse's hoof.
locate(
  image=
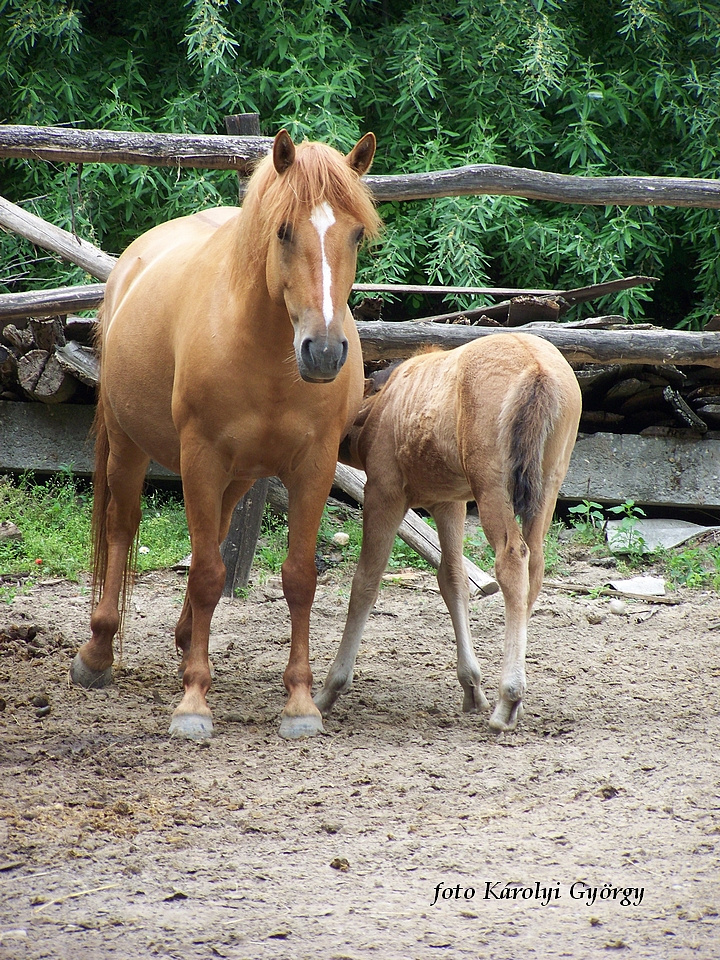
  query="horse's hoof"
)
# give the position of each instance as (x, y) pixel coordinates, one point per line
(191, 726)
(83, 676)
(506, 715)
(296, 728)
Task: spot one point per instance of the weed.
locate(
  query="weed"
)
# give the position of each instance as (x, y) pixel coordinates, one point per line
(587, 520)
(626, 537)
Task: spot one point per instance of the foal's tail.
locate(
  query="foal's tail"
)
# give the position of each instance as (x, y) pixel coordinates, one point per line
(526, 421)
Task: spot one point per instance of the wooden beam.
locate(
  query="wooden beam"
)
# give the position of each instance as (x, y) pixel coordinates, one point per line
(238, 548)
(487, 178)
(47, 303)
(470, 291)
(205, 151)
(501, 311)
(391, 341)
(86, 255)
(240, 153)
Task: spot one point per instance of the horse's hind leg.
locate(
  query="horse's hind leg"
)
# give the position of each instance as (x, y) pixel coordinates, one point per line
(381, 517)
(512, 562)
(454, 587)
(126, 465)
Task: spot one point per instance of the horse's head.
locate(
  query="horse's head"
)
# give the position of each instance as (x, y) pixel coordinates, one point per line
(319, 212)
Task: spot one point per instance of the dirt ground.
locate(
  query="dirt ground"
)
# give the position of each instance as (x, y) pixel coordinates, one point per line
(408, 831)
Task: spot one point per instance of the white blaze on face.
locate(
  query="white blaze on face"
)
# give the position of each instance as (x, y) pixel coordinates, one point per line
(322, 218)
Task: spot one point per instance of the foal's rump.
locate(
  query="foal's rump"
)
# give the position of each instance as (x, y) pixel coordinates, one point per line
(518, 408)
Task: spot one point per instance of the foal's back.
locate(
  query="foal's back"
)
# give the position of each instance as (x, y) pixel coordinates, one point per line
(442, 409)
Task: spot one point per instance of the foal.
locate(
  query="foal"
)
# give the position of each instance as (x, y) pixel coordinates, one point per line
(494, 421)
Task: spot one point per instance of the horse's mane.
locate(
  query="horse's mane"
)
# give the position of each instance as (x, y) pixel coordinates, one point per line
(319, 174)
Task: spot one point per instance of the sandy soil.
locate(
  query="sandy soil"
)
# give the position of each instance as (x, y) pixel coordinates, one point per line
(410, 830)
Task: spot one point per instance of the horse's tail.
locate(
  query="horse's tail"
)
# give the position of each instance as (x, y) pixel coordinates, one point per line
(527, 420)
(101, 502)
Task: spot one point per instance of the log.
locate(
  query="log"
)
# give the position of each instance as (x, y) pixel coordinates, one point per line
(415, 532)
(42, 378)
(82, 362)
(205, 151)
(502, 311)
(441, 290)
(47, 332)
(391, 341)
(86, 255)
(43, 303)
(238, 548)
(240, 153)
(20, 340)
(488, 178)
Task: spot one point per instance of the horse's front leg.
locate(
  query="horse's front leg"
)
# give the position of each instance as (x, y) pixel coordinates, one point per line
(183, 628)
(308, 492)
(453, 583)
(203, 486)
(382, 515)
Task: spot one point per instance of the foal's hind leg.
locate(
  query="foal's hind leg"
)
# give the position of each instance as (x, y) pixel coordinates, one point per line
(126, 466)
(512, 560)
(455, 590)
(382, 515)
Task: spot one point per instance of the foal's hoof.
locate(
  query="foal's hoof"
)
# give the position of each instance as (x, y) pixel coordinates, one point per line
(83, 676)
(296, 728)
(191, 726)
(475, 701)
(506, 715)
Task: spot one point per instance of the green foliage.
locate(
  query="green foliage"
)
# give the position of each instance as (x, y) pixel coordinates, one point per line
(579, 86)
(54, 519)
(694, 567)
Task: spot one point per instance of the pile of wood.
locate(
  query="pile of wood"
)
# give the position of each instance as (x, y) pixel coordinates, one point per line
(51, 360)
(43, 358)
(662, 400)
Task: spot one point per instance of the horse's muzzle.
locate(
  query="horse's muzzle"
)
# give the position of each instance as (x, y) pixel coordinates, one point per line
(320, 360)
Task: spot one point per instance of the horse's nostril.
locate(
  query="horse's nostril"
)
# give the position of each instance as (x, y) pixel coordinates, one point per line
(306, 352)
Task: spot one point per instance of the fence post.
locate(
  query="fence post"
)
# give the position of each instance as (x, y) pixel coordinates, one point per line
(238, 548)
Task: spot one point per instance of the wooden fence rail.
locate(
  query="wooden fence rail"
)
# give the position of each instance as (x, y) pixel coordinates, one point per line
(240, 153)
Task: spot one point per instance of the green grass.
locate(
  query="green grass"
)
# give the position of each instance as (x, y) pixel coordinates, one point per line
(54, 518)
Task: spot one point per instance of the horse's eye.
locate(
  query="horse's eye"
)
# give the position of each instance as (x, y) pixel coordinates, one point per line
(285, 233)
(359, 236)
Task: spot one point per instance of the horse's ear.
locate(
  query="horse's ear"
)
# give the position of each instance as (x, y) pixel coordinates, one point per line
(361, 155)
(283, 151)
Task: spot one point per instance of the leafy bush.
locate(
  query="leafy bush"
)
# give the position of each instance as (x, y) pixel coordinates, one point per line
(578, 86)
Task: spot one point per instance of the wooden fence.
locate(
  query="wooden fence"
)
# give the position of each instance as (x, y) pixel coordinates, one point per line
(380, 340)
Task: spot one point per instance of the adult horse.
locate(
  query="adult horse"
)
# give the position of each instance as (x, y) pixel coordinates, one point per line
(493, 421)
(228, 353)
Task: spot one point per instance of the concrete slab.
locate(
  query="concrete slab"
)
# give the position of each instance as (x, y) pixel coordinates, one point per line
(44, 438)
(657, 471)
(606, 467)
